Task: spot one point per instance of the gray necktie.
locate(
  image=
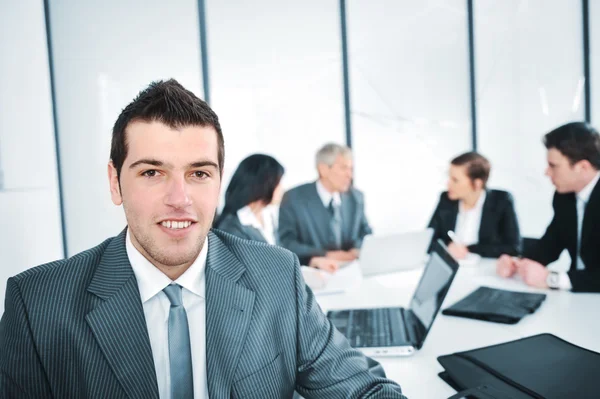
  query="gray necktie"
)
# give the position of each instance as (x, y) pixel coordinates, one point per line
(180, 354)
(580, 212)
(336, 224)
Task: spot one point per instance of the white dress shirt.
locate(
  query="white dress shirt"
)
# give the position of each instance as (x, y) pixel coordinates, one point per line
(583, 196)
(326, 196)
(151, 283)
(469, 221)
(267, 228)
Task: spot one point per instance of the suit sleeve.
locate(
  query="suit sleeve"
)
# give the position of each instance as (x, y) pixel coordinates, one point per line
(21, 371)
(364, 228)
(550, 246)
(328, 367)
(585, 280)
(510, 236)
(288, 233)
(227, 226)
(436, 224)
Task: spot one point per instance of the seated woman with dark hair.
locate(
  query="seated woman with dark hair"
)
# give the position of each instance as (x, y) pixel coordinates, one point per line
(254, 188)
(483, 221)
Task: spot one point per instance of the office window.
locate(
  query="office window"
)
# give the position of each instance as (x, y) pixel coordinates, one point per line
(276, 80)
(529, 80)
(29, 199)
(410, 101)
(104, 54)
(594, 26)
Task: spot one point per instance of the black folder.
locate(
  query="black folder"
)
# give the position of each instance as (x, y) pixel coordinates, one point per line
(500, 306)
(541, 366)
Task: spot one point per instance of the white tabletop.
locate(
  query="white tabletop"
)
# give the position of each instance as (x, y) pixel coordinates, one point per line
(572, 317)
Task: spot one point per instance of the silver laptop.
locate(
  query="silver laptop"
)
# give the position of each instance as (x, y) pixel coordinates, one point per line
(395, 252)
(397, 331)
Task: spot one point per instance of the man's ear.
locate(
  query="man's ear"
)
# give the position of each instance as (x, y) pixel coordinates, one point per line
(585, 165)
(115, 188)
(321, 167)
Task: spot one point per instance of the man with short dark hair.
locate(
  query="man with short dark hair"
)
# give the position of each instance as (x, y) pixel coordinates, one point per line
(573, 167)
(169, 309)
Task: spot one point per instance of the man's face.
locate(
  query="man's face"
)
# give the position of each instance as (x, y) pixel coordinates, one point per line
(563, 175)
(338, 175)
(169, 188)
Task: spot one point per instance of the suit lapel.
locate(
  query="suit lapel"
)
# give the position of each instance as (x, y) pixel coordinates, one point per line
(348, 216)
(449, 215)
(486, 225)
(118, 323)
(591, 215)
(321, 217)
(229, 307)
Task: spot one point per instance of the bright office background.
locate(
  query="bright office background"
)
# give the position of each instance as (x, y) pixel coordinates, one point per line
(274, 72)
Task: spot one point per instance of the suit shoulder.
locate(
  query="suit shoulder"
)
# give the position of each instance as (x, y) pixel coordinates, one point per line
(444, 196)
(228, 222)
(500, 195)
(356, 193)
(445, 200)
(61, 270)
(256, 253)
(301, 190)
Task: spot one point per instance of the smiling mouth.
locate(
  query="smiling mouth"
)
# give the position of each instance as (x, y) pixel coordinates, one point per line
(176, 225)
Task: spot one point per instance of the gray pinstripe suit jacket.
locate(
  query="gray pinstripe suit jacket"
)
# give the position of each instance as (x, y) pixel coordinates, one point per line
(75, 328)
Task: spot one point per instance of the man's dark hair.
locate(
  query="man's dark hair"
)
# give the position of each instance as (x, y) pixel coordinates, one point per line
(478, 167)
(255, 179)
(167, 102)
(577, 141)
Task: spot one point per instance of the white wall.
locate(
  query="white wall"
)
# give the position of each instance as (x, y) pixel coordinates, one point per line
(104, 54)
(594, 18)
(276, 80)
(409, 82)
(29, 205)
(529, 63)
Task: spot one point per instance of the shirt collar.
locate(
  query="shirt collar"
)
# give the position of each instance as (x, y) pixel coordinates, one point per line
(478, 206)
(326, 196)
(585, 194)
(248, 218)
(152, 281)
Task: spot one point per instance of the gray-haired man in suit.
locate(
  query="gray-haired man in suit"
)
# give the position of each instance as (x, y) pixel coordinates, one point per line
(168, 309)
(324, 222)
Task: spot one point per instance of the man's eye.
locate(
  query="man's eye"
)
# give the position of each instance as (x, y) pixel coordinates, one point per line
(149, 173)
(201, 175)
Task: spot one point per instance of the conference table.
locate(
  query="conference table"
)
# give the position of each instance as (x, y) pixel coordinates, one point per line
(573, 317)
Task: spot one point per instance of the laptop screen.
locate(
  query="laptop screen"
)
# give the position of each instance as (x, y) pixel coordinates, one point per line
(432, 290)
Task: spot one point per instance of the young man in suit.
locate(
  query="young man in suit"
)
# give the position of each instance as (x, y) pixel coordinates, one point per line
(168, 308)
(573, 166)
(324, 222)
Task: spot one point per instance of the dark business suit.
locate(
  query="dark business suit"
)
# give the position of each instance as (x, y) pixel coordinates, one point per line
(231, 224)
(562, 233)
(499, 228)
(75, 328)
(304, 222)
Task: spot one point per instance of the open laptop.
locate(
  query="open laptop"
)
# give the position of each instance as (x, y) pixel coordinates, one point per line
(395, 252)
(398, 331)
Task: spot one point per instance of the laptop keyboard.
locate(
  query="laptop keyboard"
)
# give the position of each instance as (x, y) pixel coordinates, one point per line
(371, 327)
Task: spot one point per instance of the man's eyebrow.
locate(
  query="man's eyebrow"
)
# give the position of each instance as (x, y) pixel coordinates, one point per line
(147, 161)
(200, 164)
